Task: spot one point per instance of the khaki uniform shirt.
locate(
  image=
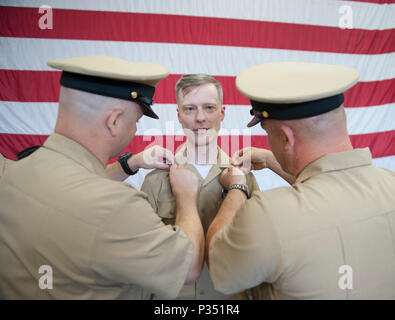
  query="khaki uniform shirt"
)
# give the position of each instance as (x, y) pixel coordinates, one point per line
(158, 189)
(292, 243)
(100, 237)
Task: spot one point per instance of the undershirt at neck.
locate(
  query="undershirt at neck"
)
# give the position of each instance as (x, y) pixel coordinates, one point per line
(203, 169)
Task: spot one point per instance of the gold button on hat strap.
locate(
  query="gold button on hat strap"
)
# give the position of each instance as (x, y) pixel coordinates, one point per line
(265, 114)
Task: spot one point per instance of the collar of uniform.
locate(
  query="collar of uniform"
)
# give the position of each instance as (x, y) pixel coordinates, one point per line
(223, 161)
(335, 162)
(73, 150)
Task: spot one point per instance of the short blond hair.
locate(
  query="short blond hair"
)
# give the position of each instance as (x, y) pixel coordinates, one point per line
(189, 81)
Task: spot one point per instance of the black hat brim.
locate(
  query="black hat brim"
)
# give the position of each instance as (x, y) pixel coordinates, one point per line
(147, 111)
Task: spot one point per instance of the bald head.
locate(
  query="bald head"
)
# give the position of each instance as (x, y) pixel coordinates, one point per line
(103, 125)
(324, 128)
(298, 142)
(88, 107)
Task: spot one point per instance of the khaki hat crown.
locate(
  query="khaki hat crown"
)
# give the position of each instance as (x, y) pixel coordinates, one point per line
(294, 90)
(113, 77)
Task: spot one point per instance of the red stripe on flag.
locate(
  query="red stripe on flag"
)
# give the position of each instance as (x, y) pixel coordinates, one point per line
(29, 86)
(11, 144)
(372, 93)
(375, 1)
(125, 26)
(381, 144)
(43, 86)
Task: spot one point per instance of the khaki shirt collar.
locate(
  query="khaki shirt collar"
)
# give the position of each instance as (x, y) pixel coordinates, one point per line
(223, 161)
(335, 162)
(76, 152)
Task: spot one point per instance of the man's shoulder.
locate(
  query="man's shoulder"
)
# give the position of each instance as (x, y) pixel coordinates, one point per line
(251, 182)
(280, 206)
(384, 172)
(85, 184)
(282, 197)
(102, 200)
(4, 163)
(75, 192)
(101, 187)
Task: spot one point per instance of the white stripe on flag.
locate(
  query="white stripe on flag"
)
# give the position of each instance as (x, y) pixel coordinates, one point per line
(183, 58)
(40, 118)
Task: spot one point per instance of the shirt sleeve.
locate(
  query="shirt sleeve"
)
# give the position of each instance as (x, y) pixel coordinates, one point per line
(246, 252)
(157, 187)
(151, 188)
(136, 248)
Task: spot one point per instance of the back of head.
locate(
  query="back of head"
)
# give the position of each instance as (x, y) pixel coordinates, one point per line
(326, 127)
(301, 104)
(101, 99)
(189, 81)
(308, 97)
(294, 90)
(112, 77)
(85, 107)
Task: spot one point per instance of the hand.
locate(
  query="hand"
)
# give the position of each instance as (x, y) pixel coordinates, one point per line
(155, 157)
(250, 158)
(231, 176)
(184, 183)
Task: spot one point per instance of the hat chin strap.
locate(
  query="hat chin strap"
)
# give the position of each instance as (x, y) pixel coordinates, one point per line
(108, 87)
(289, 111)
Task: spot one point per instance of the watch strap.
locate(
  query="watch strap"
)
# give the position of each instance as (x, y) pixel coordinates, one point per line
(241, 187)
(123, 160)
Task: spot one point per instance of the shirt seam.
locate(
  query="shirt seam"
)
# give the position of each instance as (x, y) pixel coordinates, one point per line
(330, 171)
(391, 232)
(343, 254)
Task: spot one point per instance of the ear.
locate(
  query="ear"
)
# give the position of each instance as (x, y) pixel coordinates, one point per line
(287, 137)
(113, 121)
(222, 113)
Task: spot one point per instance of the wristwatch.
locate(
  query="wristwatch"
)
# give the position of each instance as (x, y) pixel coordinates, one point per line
(241, 187)
(123, 160)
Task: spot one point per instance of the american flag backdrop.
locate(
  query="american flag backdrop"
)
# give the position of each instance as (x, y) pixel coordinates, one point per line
(218, 37)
